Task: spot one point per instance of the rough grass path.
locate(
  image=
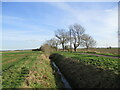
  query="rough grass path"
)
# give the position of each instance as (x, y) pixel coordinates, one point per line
(100, 55)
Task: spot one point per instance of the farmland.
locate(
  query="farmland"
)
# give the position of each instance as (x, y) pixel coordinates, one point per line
(100, 61)
(61, 44)
(33, 69)
(89, 71)
(27, 69)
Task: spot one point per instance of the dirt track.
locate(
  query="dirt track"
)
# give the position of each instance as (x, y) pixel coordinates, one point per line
(100, 55)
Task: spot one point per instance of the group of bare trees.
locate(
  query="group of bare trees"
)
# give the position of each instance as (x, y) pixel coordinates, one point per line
(74, 37)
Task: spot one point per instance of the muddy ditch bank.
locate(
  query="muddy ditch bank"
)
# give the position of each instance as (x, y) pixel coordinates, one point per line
(80, 75)
(63, 79)
(59, 77)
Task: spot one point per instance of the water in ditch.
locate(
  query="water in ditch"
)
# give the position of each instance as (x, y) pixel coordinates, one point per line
(66, 84)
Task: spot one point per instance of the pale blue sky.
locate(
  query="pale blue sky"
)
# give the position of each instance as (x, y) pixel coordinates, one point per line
(29, 24)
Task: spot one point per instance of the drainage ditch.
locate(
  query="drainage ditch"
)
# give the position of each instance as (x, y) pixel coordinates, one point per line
(63, 79)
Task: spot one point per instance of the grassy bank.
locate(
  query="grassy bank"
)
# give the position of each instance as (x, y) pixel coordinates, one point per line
(86, 71)
(28, 69)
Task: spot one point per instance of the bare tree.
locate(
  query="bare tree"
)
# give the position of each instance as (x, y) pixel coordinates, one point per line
(88, 41)
(76, 33)
(63, 37)
(53, 43)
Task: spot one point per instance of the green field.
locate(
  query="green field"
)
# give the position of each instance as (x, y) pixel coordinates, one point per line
(88, 71)
(33, 69)
(99, 61)
(28, 69)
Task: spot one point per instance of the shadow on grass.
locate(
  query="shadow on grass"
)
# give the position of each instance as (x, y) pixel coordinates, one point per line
(81, 75)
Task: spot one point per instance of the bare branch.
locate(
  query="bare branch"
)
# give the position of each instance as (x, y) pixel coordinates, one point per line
(77, 32)
(63, 36)
(88, 41)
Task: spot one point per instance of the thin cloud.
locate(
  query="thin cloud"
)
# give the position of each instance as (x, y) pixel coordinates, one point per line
(98, 23)
(108, 10)
(22, 23)
(60, 0)
(36, 40)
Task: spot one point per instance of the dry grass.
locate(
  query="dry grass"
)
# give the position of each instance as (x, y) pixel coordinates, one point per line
(40, 76)
(28, 70)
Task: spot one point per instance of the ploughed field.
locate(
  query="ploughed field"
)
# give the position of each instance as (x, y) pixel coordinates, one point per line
(27, 69)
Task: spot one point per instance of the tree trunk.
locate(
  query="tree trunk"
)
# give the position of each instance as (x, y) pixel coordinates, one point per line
(63, 46)
(75, 47)
(56, 47)
(87, 46)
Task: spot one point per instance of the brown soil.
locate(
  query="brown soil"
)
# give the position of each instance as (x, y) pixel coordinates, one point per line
(10, 61)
